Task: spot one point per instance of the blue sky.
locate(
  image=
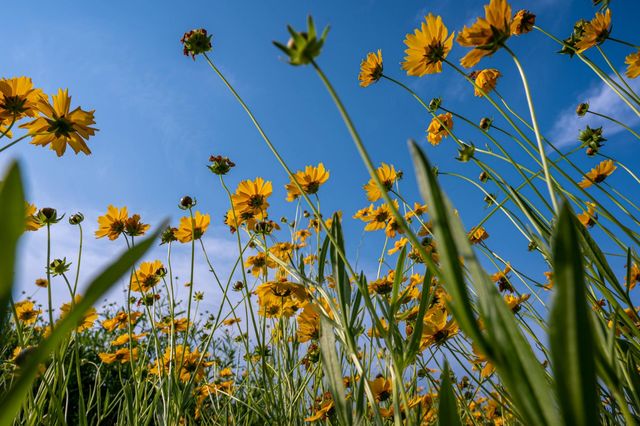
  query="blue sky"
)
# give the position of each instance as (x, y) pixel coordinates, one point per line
(161, 115)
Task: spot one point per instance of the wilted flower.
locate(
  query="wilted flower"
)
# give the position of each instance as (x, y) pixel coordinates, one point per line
(523, 22)
(220, 165)
(196, 42)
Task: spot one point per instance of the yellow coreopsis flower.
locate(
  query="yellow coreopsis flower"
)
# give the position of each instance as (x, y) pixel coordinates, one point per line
(187, 364)
(427, 47)
(634, 276)
(123, 339)
(280, 298)
(381, 388)
(251, 196)
(31, 222)
(370, 69)
(633, 64)
(485, 81)
(310, 179)
(60, 126)
(323, 410)
(487, 34)
(588, 218)
(478, 235)
(259, 264)
(515, 302)
(121, 320)
(308, 323)
(436, 329)
(595, 32)
(26, 312)
(397, 246)
(439, 128)
(598, 173)
(88, 318)
(378, 218)
(387, 175)
(122, 356)
(18, 99)
(112, 224)
(147, 276)
(523, 22)
(192, 228)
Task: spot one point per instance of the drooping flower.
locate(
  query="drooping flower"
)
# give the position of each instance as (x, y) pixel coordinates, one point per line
(427, 47)
(598, 173)
(147, 276)
(251, 196)
(387, 175)
(88, 318)
(487, 34)
(486, 81)
(439, 128)
(26, 312)
(310, 179)
(112, 224)
(192, 228)
(633, 64)
(18, 99)
(370, 69)
(59, 126)
(595, 32)
(196, 42)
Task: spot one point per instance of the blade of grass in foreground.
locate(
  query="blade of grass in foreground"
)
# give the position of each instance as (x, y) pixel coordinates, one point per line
(333, 370)
(502, 340)
(11, 227)
(448, 414)
(13, 399)
(570, 331)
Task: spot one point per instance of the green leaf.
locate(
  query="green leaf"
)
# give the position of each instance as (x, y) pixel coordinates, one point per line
(14, 398)
(448, 414)
(333, 370)
(11, 228)
(570, 330)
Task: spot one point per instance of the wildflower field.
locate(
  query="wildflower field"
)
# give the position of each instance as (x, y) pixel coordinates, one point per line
(416, 318)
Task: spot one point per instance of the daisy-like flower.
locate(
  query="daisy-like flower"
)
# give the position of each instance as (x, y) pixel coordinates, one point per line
(59, 126)
(251, 196)
(120, 321)
(588, 218)
(18, 99)
(123, 339)
(310, 179)
(26, 312)
(633, 64)
(186, 363)
(122, 356)
(31, 221)
(112, 224)
(485, 81)
(477, 235)
(439, 128)
(308, 323)
(192, 228)
(502, 279)
(133, 227)
(279, 299)
(381, 388)
(370, 69)
(436, 329)
(515, 302)
(387, 175)
(595, 32)
(323, 409)
(147, 276)
(487, 34)
(427, 47)
(378, 218)
(398, 245)
(598, 173)
(523, 22)
(88, 318)
(634, 276)
(259, 264)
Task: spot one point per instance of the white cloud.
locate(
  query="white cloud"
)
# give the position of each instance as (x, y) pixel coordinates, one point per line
(602, 100)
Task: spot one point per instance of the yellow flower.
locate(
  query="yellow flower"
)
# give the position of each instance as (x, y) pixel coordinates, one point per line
(59, 126)
(598, 173)
(398, 245)
(595, 32)
(381, 388)
(370, 69)
(308, 323)
(514, 302)
(477, 235)
(378, 218)
(123, 339)
(427, 47)
(323, 410)
(436, 329)
(147, 276)
(502, 279)
(26, 312)
(179, 324)
(387, 175)
(486, 81)
(634, 276)
(523, 22)
(487, 34)
(18, 99)
(122, 356)
(111, 224)
(186, 363)
(259, 264)
(120, 320)
(133, 227)
(280, 298)
(251, 196)
(192, 228)
(31, 222)
(589, 217)
(633, 64)
(439, 128)
(88, 318)
(309, 180)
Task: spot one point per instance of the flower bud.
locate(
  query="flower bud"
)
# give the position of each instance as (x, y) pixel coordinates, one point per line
(187, 202)
(76, 218)
(484, 176)
(582, 109)
(485, 123)
(434, 104)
